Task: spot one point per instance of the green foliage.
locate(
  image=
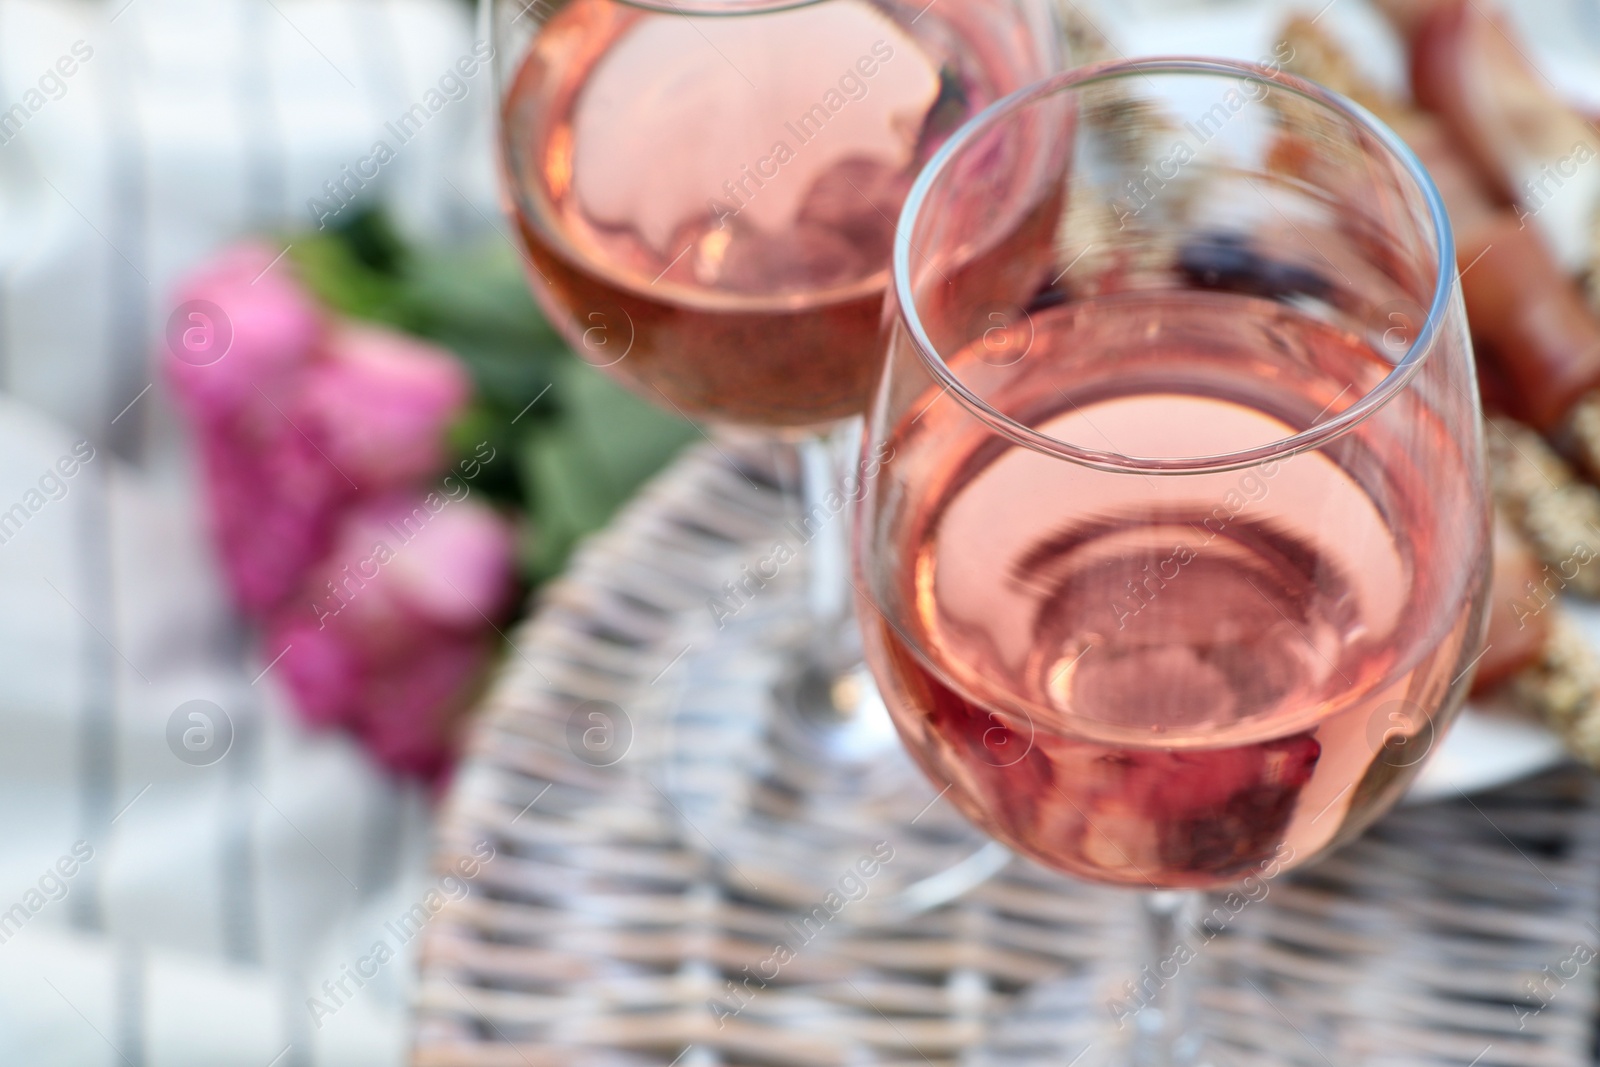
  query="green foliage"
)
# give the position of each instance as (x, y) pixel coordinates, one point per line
(579, 467)
(572, 444)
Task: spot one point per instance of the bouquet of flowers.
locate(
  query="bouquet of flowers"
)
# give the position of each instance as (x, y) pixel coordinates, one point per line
(393, 444)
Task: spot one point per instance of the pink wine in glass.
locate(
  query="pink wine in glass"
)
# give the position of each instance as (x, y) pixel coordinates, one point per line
(709, 203)
(1172, 694)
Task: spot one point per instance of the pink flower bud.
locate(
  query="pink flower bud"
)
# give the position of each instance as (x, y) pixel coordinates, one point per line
(397, 624)
(273, 498)
(269, 323)
(383, 401)
(457, 570)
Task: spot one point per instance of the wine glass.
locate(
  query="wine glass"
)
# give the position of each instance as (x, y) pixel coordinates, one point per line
(706, 191)
(1176, 567)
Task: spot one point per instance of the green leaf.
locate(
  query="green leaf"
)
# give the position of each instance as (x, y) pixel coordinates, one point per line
(581, 467)
(628, 437)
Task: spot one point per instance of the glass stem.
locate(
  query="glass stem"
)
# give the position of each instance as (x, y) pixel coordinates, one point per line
(826, 460)
(1162, 1034)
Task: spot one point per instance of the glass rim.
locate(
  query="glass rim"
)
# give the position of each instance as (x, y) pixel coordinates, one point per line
(718, 8)
(699, 8)
(1314, 436)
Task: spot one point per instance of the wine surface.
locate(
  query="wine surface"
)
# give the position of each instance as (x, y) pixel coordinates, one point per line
(708, 204)
(1163, 680)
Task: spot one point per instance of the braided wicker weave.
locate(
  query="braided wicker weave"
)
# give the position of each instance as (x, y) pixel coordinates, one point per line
(606, 931)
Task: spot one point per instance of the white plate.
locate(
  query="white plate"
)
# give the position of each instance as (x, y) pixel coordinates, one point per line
(1488, 748)
(1483, 750)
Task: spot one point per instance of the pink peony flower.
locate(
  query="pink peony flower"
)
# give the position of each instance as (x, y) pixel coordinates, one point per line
(390, 636)
(383, 401)
(273, 501)
(268, 324)
(315, 439)
(241, 339)
(412, 711)
(461, 570)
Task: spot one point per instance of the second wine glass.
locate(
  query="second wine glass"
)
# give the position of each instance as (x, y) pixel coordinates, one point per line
(707, 191)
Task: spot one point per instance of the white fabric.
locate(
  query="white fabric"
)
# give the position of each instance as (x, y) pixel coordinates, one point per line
(221, 897)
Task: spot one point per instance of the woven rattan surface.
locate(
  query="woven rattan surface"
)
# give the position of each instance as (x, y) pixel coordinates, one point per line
(606, 930)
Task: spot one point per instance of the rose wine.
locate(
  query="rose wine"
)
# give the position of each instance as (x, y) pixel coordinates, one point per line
(709, 203)
(1170, 680)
